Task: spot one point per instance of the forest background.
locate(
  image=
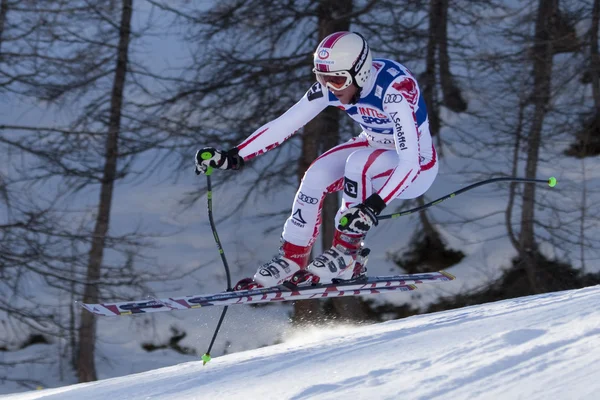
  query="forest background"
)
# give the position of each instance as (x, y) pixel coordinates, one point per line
(103, 105)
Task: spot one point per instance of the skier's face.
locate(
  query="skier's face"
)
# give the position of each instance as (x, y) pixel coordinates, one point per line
(337, 82)
(344, 95)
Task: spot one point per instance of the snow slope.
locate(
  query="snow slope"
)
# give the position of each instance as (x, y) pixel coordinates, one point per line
(537, 347)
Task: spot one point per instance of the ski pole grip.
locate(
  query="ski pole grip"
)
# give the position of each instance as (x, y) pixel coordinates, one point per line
(207, 155)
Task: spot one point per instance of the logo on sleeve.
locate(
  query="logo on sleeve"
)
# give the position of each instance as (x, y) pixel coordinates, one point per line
(298, 220)
(314, 92)
(350, 188)
(400, 138)
(393, 71)
(408, 88)
(378, 91)
(393, 98)
(307, 199)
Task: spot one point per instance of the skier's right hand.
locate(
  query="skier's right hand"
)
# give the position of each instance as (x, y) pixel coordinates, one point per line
(209, 157)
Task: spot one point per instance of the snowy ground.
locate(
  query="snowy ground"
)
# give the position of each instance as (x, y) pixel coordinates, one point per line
(538, 347)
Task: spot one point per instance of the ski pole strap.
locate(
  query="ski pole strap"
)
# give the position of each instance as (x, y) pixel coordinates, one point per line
(550, 181)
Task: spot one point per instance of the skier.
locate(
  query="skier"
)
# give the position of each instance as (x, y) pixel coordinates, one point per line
(392, 158)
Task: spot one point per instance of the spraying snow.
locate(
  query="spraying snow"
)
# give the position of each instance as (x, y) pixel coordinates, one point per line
(535, 347)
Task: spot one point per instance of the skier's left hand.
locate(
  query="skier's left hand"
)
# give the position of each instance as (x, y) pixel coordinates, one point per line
(360, 218)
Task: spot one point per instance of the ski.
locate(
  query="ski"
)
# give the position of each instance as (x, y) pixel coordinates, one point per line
(369, 285)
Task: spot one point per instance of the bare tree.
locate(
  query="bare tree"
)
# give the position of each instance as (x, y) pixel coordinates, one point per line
(268, 49)
(529, 101)
(424, 45)
(587, 138)
(439, 21)
(86, 367)
(3, 12)
(262, 63)
(595, 58)
(321, 134)
(68, 56)
(542, 74)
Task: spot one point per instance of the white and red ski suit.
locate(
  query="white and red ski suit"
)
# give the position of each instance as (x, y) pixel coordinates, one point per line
(393, 156)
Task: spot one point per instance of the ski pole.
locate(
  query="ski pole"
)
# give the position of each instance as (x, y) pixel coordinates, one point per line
(206, 356)
(550, 181)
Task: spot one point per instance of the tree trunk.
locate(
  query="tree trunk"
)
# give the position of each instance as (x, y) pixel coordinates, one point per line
(514, 171)
(347, 308)
(320, 135)
(563, 34)
(542, 70)
(329, 138)
(595, 56)
(309, 311)
(86, 369)
(3, 12)
(593, 135)
(451, 93)
(587, 142)
(429, 230)
(429, 81)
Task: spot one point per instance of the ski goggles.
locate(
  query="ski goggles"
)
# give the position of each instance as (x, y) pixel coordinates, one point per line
(338, 80)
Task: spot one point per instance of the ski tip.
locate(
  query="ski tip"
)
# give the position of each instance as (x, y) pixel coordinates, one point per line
(448, 275)
(81, 304)
(206, 358)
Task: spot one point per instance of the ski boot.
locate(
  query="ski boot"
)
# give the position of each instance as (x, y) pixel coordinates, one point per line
(303, 278)
(292, 258)
(246, 284)
(360, 267)
(344, 253)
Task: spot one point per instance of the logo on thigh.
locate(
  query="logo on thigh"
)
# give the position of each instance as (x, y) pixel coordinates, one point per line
(298, 220)
(350, 188)
(307, 199)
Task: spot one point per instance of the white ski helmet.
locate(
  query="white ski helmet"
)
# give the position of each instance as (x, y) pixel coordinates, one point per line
(341, 59)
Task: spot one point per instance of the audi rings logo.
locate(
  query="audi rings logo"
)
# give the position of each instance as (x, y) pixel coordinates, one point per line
(323, 54)
(307, 199)
(393, 98)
